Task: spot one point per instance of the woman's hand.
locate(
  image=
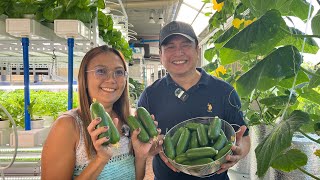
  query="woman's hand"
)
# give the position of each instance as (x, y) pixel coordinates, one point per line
(104, 153)
(240, 150)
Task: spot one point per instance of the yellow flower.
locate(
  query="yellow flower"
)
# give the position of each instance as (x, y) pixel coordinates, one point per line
(217, 6)
(219, 70)
(237, 22)
(248, 22)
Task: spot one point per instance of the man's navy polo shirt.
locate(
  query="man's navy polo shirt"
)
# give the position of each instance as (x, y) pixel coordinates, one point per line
(209, 97)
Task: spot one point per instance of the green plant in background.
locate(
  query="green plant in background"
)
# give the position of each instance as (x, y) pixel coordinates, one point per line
(135, 90)
(43, 103)
(274, 87)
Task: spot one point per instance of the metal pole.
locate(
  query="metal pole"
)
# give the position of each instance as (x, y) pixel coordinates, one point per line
(70, 72)
(25, 46)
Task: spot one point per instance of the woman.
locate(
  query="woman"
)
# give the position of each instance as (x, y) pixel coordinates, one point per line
(72, 149)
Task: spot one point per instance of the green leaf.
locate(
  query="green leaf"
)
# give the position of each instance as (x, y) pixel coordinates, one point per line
(317, 128)
(101, 4)
(71, 4)
(315, 24)
(269, 71)
(278, 101)
(209, 54)
(298, 8)
(310, 127)
(52, 13)
(220, 42)
(301, 78)
(258, 38)
(310, 46)
(315, 80)
(278, 140)
(309, 94)
(290, 160)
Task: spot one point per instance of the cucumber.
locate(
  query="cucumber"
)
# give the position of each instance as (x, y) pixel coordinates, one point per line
(97, 110)
(145, 117)
(214, 128)
(135, 124)
(183, 142)
(221, 141)
(194, 140)
(202, 152)
(223, 151)
(192, 126)
(176, 136)
(168, 147)
(181, 158)
(114, 133)
(198, 162)
(202, 135)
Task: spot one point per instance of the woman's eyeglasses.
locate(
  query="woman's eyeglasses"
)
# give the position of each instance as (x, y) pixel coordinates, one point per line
(103, 73)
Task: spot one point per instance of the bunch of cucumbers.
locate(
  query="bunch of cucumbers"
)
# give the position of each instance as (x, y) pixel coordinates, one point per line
(197, 143)
(97, 110)
(145, 123)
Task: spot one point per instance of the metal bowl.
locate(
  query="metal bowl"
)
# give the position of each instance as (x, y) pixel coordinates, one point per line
(204, 170)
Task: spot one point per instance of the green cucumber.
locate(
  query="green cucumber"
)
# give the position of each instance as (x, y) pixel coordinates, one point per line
(198, 162)
(221, 141)
(183, 142)
(148, 123)
(202, 135)
(168, 147)
(97, 110)
(223, 151)
(176, 136)
(192, 126)
(214, 128)
(194, 140)
(181, 158)
(202, 152)
(135, 124)
(114, 133)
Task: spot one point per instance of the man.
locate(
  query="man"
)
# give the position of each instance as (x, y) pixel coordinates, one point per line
(187, 92)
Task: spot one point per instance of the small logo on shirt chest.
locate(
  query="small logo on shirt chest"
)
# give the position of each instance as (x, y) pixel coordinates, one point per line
(209, 107)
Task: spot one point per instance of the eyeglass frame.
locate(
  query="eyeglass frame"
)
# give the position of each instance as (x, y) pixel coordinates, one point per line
(108, 72)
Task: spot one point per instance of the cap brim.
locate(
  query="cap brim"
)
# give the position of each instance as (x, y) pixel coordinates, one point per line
(187, 36)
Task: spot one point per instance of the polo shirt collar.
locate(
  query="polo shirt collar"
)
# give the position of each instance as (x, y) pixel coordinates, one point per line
(204, 79)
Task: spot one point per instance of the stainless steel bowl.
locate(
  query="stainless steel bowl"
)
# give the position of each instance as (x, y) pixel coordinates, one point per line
(209, 169)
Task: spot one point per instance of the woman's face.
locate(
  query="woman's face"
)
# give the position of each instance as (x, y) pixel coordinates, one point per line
(106, 78)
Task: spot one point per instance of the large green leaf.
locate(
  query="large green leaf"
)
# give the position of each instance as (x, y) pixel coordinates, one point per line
(290, 160)
(298, 8)
(310, 46)
(278, 101)
(225, 37)
(315, 80)
(315, 23)
(258, 38)
(278, 140)
(310, 95)
(281, 63)
(288, 82)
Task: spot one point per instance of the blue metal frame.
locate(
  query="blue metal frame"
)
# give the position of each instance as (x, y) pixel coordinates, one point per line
(25, 46)
(70, 72)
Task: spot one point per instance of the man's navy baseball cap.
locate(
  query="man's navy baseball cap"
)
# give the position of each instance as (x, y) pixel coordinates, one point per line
(177, 28)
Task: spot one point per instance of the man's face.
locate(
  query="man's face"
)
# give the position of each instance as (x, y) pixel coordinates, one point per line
(179, 55)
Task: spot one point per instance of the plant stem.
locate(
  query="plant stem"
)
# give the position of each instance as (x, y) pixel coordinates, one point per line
(299, 35)
(309, 72)
(304, 171)
(309, 137)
